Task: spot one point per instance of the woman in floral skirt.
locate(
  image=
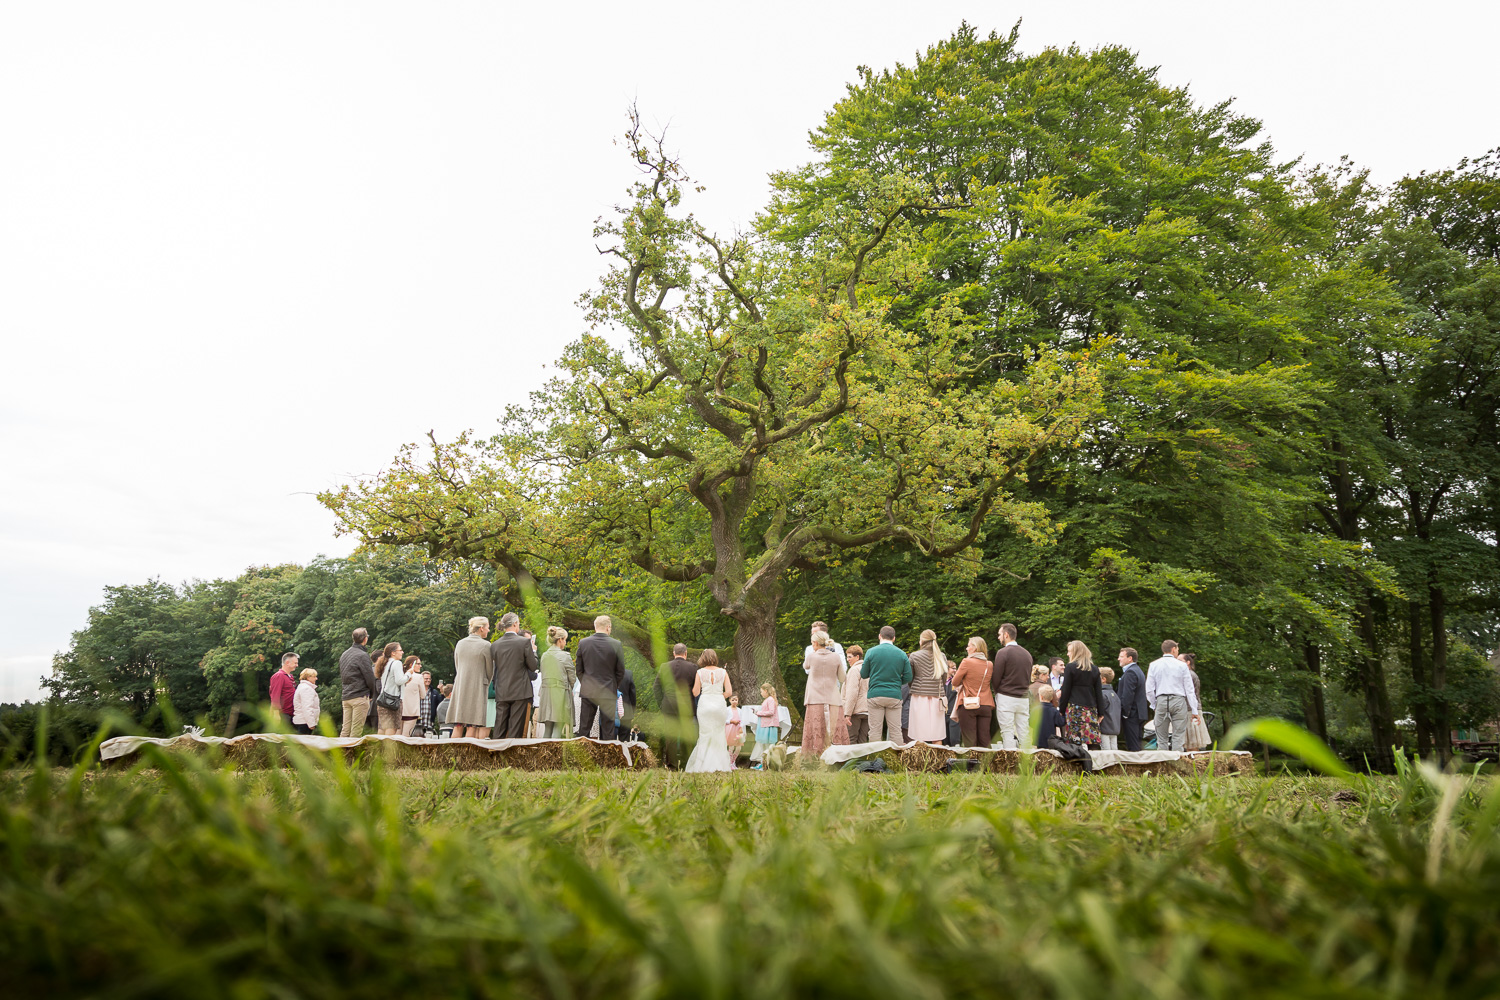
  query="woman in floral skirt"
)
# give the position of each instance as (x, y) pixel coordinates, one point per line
(1081, 697)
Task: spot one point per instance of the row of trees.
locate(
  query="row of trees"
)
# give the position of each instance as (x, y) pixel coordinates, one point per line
(208, 648)
(1033, 337)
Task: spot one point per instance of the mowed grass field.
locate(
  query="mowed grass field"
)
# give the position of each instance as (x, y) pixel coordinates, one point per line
(317, 881)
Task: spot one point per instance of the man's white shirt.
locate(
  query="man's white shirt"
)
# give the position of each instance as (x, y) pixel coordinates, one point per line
(1169, 675)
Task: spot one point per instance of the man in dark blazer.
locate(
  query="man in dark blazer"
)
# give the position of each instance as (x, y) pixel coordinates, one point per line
(1133, 707)
(514, 665)
(601, 675)
(674, 693)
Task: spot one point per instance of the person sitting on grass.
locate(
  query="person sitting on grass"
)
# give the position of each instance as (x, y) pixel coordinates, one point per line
(1052, 720)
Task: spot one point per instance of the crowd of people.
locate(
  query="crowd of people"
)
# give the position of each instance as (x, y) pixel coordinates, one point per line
(505, 689)
(854, 696)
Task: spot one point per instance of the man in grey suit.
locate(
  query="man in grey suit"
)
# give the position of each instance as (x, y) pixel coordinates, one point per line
(601, 675)
(513, 663)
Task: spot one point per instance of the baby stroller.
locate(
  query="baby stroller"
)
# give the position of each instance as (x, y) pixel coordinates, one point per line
(1148, 735)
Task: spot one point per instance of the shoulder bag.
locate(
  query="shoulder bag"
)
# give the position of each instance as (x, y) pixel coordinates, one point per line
(971, 702)
(388, 699)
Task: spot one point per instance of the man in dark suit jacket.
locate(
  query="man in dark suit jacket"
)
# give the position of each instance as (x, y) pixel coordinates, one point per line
(674, 693)
(1133, 707)
(514, 664)
(601, 675)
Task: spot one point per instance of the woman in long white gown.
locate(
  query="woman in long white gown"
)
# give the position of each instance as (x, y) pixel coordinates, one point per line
(712, 688)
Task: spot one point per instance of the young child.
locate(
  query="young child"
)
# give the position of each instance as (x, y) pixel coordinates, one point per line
(1052, 720)
(734, 729)
(766, 731)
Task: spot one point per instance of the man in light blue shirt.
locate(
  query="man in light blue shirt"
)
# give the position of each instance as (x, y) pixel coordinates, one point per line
(1169, 690)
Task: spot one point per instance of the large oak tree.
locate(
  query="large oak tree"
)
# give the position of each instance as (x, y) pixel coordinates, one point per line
(744, 407)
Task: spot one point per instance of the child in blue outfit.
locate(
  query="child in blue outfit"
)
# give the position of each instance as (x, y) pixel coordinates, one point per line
(766, 731)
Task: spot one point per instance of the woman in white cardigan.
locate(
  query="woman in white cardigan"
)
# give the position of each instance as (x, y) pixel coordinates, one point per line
(305, 707)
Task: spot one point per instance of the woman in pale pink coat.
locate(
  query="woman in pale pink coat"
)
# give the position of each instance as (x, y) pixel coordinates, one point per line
(823, 706)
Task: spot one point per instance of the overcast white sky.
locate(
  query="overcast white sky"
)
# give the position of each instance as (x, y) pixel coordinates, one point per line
(226, 227)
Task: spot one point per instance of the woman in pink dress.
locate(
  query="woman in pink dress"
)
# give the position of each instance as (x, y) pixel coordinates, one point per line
(734, 729)
(823, 706)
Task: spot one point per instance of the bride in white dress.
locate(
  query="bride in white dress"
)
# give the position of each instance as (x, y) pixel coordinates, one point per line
(712, 689)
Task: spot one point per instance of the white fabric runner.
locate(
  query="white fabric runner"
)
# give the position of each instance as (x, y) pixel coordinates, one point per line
(834, 756)
(122, 745)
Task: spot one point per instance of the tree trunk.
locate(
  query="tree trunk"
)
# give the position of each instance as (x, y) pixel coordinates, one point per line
(1442, 734)
(754, 661)
(1420, 686)
(1313, 710)
(1371, 675)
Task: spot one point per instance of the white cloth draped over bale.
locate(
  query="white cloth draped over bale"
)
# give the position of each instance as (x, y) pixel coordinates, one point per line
(125, 746)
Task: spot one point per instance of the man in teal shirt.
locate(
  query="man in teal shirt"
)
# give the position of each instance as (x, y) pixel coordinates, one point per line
(887, 668)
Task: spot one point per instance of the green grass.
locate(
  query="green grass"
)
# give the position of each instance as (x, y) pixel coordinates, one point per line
(317, 881)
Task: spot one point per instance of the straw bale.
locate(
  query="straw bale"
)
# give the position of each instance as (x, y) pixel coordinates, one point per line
(251, 752)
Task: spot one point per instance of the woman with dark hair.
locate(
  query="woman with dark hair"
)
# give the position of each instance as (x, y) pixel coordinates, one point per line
(392, 680)
(856, 697)
(1081, 697)
(1198, 737)
(712, 688)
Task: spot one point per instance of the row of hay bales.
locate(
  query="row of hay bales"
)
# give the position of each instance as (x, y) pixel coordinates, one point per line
(250, 752)
(253, 751)
(923, 757)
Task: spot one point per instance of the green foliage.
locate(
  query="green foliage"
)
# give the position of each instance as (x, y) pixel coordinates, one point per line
(314, 881)
(210, 647)
(69, 730)
(1288, 739)
(1032, 337)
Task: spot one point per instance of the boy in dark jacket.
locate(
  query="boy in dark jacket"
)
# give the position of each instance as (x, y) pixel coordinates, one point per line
(1109, 717)
(1052, 720)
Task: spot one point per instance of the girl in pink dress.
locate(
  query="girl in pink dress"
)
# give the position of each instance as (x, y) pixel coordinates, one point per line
(734, 729)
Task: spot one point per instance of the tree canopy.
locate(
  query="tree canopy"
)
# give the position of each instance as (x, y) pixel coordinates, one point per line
(1032, 337)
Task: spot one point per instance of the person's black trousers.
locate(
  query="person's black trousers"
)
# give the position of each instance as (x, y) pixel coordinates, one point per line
(510, 720)
(586, 720)
(677, 742)
(1131, 731)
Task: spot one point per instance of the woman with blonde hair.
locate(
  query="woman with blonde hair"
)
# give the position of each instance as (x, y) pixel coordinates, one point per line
(1081, 697)
(929, 670)
(822, 709)
(976, 702)
(554, 700)
(305, 706)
